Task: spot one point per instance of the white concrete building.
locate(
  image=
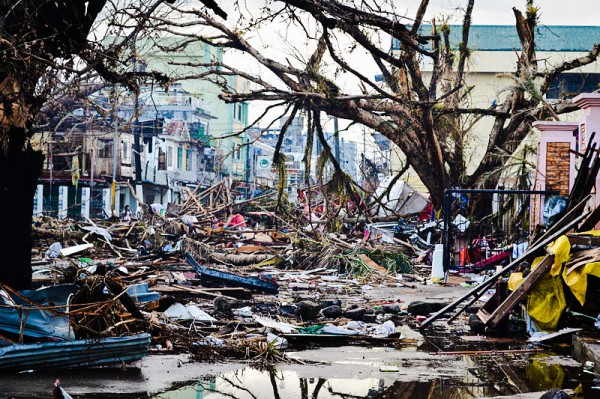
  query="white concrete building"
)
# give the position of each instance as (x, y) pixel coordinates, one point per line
(494, 58)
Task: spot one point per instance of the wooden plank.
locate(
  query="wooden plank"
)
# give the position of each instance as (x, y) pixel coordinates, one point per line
(251, 249)
(582, 258)
(483, 315)
(476, 296)
(519, 293)
(586, 240)
(373, 265)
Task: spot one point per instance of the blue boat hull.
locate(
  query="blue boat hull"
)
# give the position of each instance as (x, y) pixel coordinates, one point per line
(76, 353)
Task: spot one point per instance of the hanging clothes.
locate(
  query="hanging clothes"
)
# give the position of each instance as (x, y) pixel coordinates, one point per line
(463, 257)
(519, 249)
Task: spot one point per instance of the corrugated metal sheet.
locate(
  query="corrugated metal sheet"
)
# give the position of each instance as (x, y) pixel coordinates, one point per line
(77, 353)
(401, 198)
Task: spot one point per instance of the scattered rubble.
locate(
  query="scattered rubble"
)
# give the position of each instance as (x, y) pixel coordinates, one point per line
(222, 280)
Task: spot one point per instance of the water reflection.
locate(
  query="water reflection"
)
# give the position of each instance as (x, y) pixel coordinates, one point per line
(253, 384)
(483, 377)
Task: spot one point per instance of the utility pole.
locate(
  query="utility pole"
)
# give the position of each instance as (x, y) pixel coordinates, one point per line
(91, 170)
(336, 135)
(136, 129)
(113, 189)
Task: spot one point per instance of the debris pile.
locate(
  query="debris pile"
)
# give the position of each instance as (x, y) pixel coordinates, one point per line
(554, 278)
(219, 278)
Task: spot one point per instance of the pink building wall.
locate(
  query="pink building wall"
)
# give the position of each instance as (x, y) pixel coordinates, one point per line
(551, 132)
(577, 135)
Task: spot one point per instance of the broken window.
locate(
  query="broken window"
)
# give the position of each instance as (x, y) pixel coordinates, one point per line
(105, 148)
(188, 159)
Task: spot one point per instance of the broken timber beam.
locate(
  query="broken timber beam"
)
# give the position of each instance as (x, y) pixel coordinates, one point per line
(584, 239)
(373, 265)
(591, 222)
(523, 289)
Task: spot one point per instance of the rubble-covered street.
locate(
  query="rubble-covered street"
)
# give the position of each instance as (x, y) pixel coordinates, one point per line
(257, 199)
(233, 299)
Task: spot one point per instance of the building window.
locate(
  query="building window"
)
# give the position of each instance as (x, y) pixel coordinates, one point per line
(125, 152)
(568, 85)
(169, 157)
(237, 154)
(207, 55)
(105, 149)
(179, 158)
(188, 159)
(162, 164)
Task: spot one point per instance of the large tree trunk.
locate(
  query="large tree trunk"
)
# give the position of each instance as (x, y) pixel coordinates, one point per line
(19, 172)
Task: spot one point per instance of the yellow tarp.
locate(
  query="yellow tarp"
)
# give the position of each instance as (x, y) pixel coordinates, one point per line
(515, 280)
(546, 302)
(561, 249)
(577, 279)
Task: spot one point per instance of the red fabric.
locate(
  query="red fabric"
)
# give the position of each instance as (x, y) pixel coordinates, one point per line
(492, 260)
(237, 221)
(426, 213)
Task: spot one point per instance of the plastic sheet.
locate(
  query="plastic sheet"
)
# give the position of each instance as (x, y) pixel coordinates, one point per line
(547, 303)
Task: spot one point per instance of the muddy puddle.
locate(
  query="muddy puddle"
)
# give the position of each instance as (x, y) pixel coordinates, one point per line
(482, 378)
(442, 367)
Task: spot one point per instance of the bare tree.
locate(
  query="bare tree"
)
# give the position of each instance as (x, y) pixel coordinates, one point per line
(428, 117)
(44, 46)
